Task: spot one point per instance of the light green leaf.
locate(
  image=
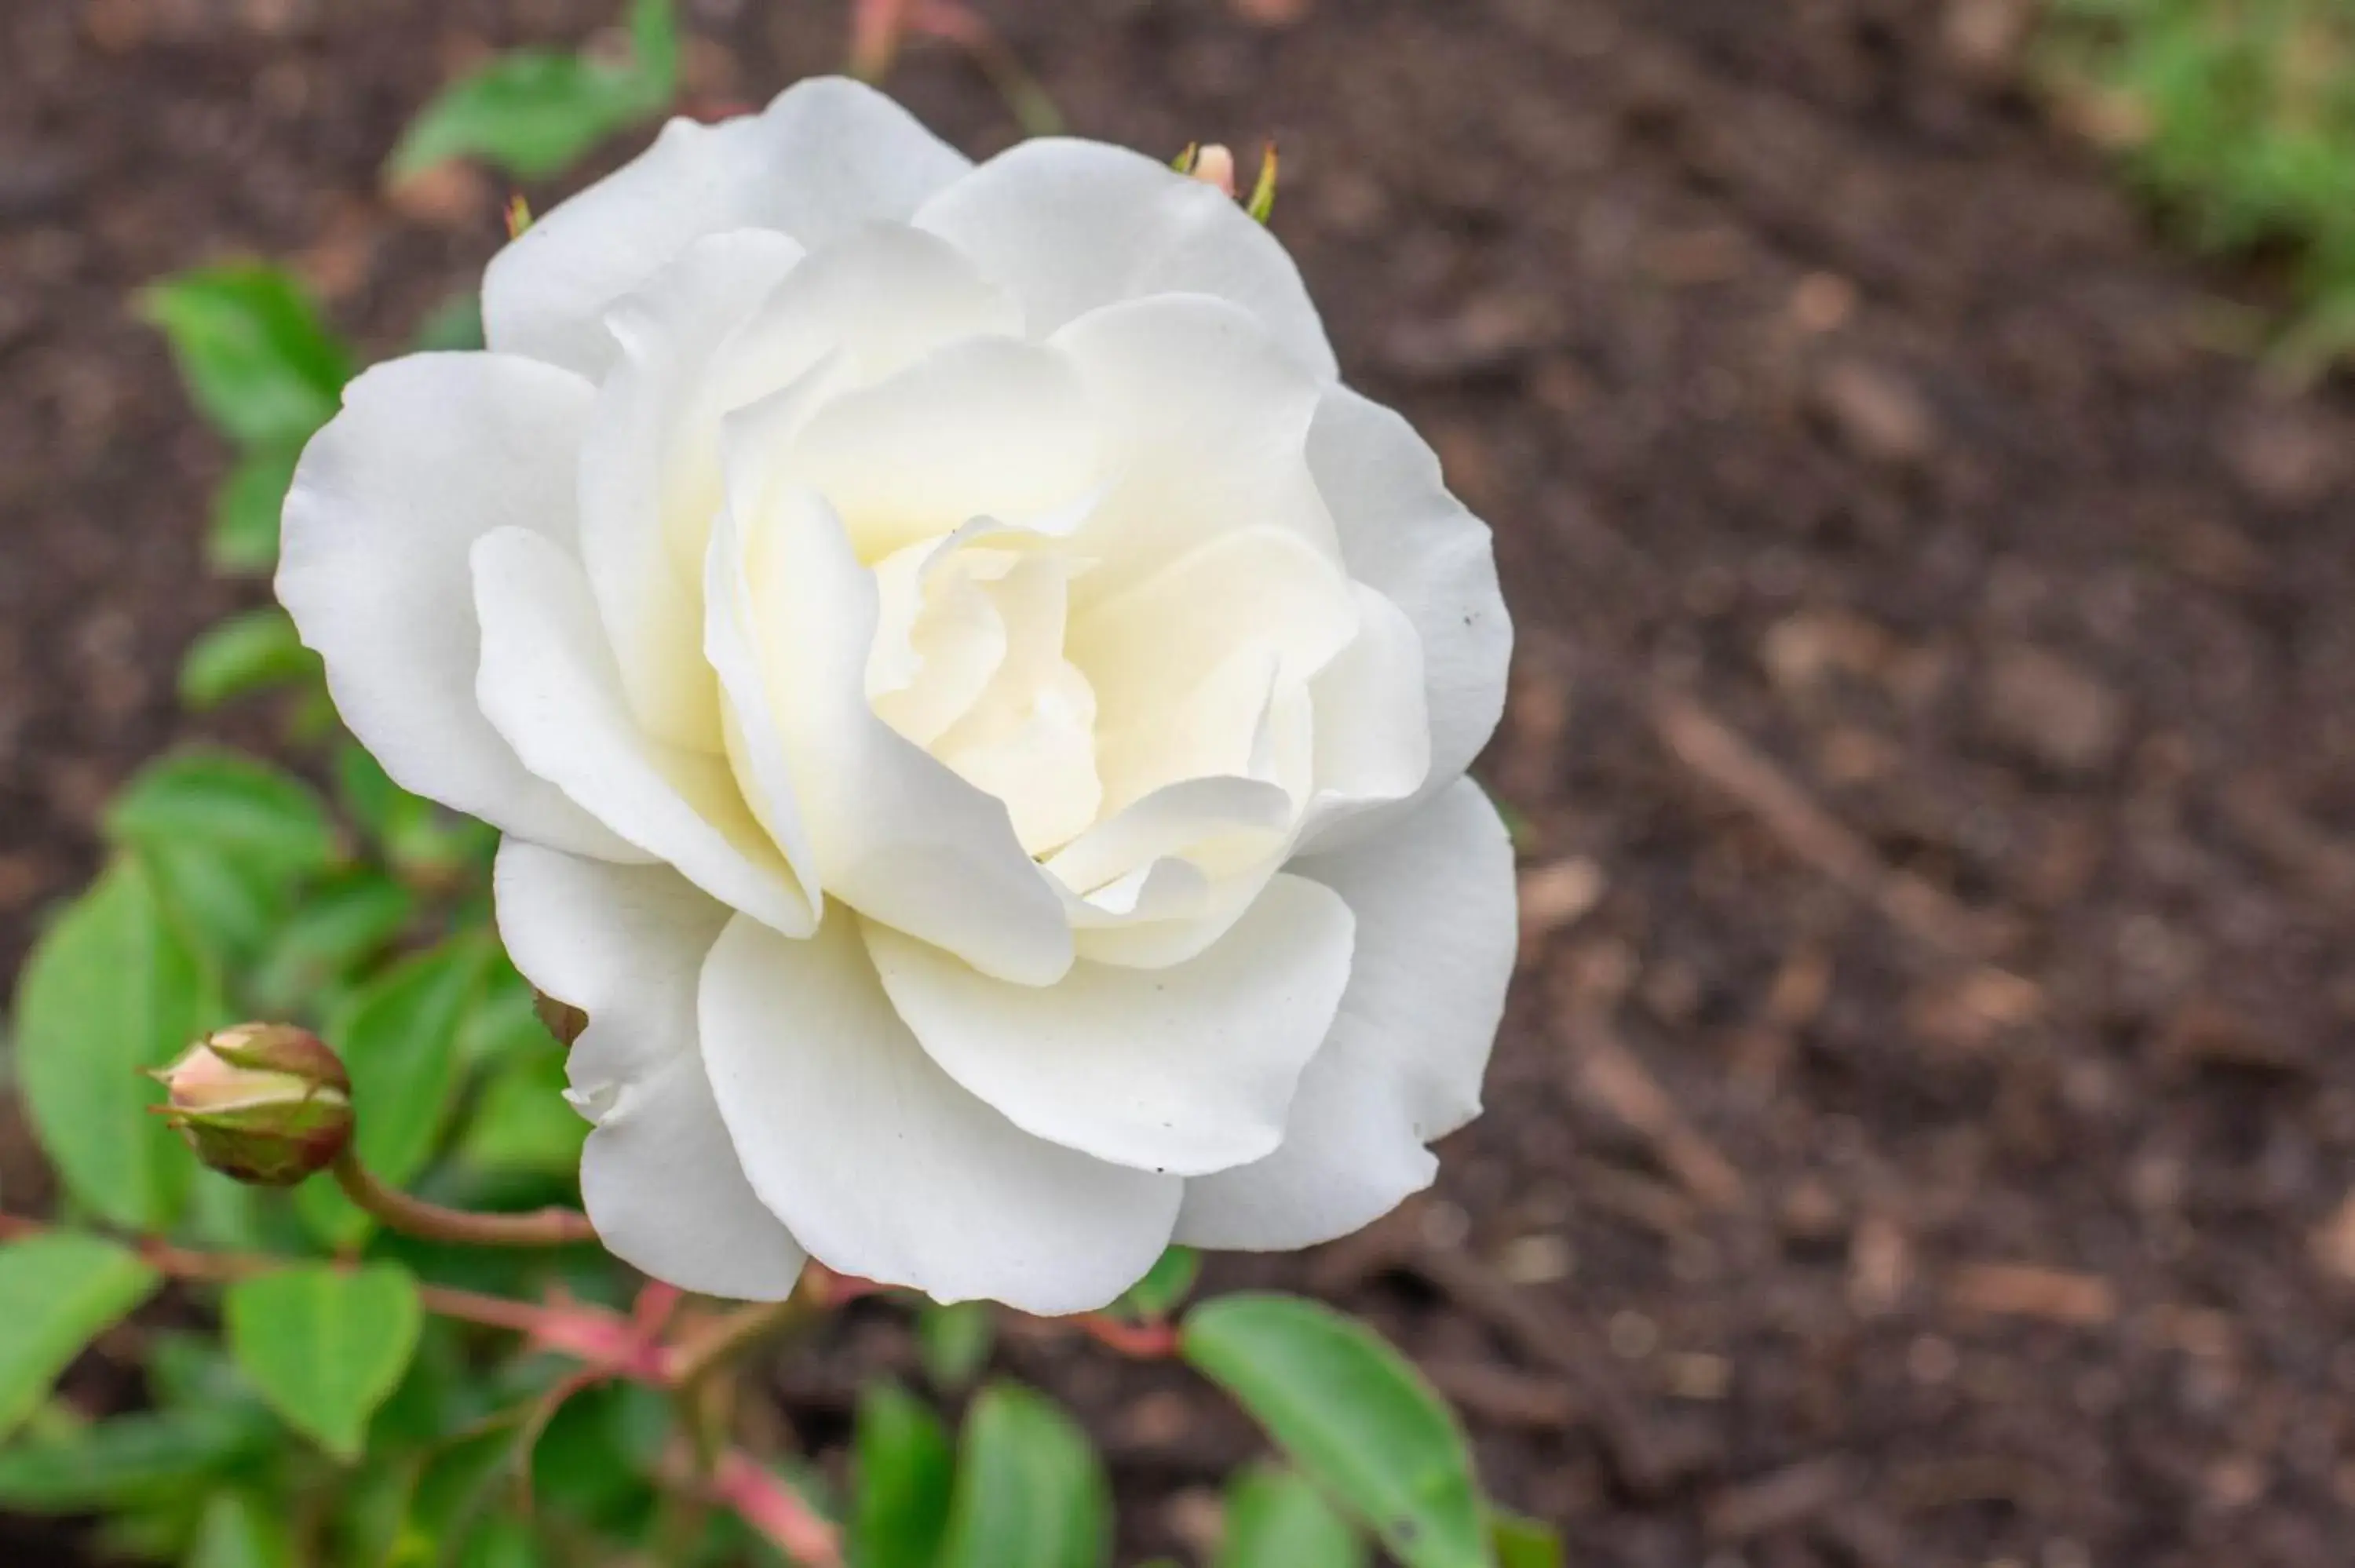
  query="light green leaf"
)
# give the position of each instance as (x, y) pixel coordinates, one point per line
(324, 1346)
(249, 653)
(532, 112)
(242, 1530)
(903, 1472)
(57, 1292)
(953, 1342)
(1165, 1284)
(133, 1460)
(1353, 1414)
(246, 511)
(266, 819)
(1523, 1543)
(1030, 1489)
(254, 355)
(400, 1041)
(1275, 1519)
(109, 990)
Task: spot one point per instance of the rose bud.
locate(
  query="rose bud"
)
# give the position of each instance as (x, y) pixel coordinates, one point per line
(264, 1103)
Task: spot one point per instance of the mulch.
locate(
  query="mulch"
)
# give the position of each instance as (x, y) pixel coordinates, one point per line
(1922, 1133)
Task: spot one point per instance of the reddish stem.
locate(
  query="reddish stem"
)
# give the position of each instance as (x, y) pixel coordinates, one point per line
(776, 1510)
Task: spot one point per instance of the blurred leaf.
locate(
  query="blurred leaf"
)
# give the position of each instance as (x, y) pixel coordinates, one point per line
(243, 1530)
(523, 1121)
(249, 653)
(325, 1346)
(1030, 1489)
(453, 326)
(59, 1292)
(246, 511)
(503, 1541)
(336, 926)
(1277, 1519)
(1165, 1284)
(904, 1471)
(267, 820)
(133, 1459)
(421, 840)
(1523, 1543)
(110, 989)
(1353, 1414)
(953, 1342)
(254, 355)
(400, 1040)
(533, 112)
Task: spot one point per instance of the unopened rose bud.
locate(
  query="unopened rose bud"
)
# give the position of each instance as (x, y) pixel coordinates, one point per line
(265, 1102)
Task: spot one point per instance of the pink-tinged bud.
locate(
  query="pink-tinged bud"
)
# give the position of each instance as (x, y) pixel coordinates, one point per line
(264, 1103)
(1215, 165)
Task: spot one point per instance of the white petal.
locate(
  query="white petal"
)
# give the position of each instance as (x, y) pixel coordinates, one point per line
(1185, 1070)
(626, 945)
(650, 474)
(989, 426)
(881, 1164)
(1076, 225)
(549, 682)
(1205, 425)
(429, 453)
(1373, 715)
(826, 156)
(1403, 534)
(1436, 929)
(897, 836)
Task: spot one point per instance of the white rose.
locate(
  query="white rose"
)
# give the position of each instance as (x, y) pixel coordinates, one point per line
(978, 710)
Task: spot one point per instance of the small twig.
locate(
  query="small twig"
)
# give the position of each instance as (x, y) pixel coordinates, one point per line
(432, 1222)
(1704, 744)
(1608, 1074)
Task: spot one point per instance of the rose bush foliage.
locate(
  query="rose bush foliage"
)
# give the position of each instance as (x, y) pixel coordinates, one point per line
(978, 712)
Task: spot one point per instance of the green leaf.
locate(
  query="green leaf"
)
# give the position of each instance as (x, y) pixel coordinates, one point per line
(110, 989)
(903, 1472)
(134, 1460)
(256, 358)
(246, 510)
(399, 1039)
(1523, 1543)
(1354, 1414)
(246, 653)
(57, 1292)
(1030, 1489)
(531, 112)
(264, 820)
(523, 1121)
(326, 1347)
(242, 1530)
(1165, 1284)
(422, 841)
(1275, 1519)
(953, 1342)
(338, 925)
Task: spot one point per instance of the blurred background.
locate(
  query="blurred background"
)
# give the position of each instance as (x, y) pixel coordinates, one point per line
(1924, 1128)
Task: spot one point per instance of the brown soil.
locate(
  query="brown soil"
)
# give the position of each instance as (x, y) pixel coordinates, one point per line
(1923, 1128)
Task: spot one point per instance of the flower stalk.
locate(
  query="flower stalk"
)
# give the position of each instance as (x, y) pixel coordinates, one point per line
(430, 1221)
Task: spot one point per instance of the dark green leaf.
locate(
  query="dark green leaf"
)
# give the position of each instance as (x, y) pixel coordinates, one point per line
(253, 350)
(246, 511)
(57, 1292)
(134, 1459)
(421, 841)
(249, 653)
(400, 1041)
(531, 112)
(241, 1530)
(1030, 1489)
(1523, 1543)
(902, 1474)
(338, 925)
(1275, 1519)
(326, 1347)
(109, 990)
(954, 1341)
(1354, 1414)
(523, 1121)
(1165, 1284)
